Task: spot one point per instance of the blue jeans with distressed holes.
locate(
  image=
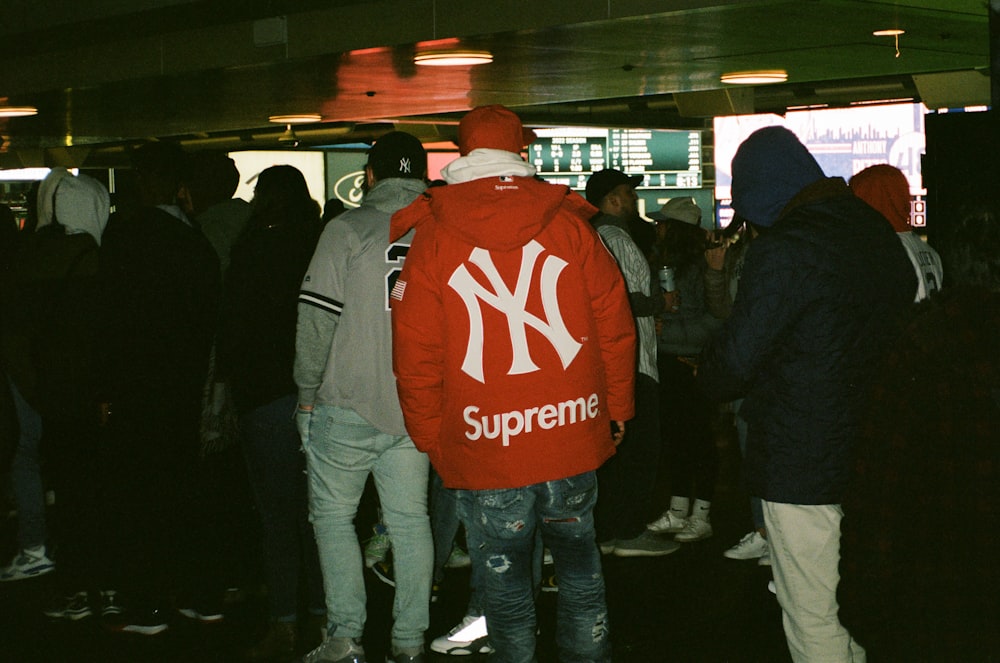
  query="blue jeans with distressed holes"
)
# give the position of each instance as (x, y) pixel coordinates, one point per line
(504, 523)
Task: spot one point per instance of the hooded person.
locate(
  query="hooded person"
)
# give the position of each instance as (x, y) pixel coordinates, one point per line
(886, 188)
(49, 339)
(514, 351)
(819, 291)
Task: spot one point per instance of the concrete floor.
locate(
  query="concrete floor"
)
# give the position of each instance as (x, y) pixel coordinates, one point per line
(692, 606)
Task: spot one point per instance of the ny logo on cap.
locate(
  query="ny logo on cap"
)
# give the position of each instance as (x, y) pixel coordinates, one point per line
(404, 165)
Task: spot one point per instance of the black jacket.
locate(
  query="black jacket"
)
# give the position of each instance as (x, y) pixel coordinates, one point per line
(818, 291)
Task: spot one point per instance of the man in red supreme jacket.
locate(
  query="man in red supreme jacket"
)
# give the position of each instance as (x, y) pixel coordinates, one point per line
(514, 351)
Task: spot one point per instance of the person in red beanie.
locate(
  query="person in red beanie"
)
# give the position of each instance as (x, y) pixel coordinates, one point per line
(885, 188)
(514, 353)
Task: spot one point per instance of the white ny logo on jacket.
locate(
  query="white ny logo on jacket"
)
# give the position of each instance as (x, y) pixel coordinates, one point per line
(512, 305)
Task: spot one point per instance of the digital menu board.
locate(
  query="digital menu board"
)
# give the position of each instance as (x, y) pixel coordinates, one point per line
(666, 159)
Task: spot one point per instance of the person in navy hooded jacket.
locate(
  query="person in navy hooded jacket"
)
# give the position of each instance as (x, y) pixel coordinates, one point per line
(820, 287)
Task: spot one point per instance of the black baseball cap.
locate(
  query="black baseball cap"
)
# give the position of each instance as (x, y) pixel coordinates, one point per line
(603, 181)
(398, 154)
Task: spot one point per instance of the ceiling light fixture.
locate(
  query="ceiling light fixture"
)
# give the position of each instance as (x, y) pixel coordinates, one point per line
(18, 111)
(452, 58)
(890, 32)
(755, 77)
(296, 118)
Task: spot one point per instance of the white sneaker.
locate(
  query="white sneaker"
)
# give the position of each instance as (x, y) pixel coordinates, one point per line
(667, 523)
(751, 546)
(771, 588)
(696, 530)
(377, 547)
(27, 564)
(468, 637)
(458, 559)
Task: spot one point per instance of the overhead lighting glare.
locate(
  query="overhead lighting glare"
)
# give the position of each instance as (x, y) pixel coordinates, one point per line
(295, 118)
(452, 58)
(755, 77)
(18, 111)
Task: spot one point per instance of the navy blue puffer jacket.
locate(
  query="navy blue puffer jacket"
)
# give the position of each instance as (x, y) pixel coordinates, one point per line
(817, 294)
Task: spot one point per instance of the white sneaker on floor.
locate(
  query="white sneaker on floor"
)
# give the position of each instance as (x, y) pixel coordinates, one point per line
(27, 564)
(771, 588)
(468, 637)
(458, 559)
(667, 523)
(377, 547)
(696, 530)
(751, 546)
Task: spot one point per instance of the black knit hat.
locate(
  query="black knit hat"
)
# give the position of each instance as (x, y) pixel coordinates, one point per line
(398, 154)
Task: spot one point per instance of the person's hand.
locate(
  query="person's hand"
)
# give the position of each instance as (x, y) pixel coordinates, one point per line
(618, 433)
(672, 300)
(303, 418)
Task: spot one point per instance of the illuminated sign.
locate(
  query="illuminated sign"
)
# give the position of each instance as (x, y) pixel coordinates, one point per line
(665, 159)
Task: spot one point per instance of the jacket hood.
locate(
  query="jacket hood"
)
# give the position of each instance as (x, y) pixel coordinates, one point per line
(80, 204)
(885, 188)
(769, 169)
(495, 213)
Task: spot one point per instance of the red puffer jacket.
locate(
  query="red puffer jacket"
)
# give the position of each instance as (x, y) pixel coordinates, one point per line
(513, 343)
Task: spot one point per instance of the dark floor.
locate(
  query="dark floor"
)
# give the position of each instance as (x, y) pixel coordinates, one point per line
(691, 606)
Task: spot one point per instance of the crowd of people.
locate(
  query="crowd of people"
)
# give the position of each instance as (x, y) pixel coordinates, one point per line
(506, 357)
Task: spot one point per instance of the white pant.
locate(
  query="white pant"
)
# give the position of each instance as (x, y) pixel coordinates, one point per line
(805, 553)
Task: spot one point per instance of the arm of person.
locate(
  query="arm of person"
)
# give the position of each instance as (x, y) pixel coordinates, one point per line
(615, 329)
(766, 305)
(320, 305)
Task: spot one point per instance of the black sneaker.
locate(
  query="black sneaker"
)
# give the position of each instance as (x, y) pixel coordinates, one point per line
(72, 608)
(140, 621)
(110, 607)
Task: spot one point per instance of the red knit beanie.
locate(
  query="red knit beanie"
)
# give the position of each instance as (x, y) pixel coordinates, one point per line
(494, 127)
(885, 188)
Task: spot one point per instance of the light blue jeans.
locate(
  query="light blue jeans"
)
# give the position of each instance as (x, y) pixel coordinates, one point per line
(26, 474)
(342, 449)
(502, 526)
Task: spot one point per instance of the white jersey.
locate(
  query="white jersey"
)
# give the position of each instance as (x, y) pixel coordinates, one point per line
(926, 262)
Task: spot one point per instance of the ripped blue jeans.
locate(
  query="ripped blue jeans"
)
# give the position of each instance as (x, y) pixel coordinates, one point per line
(503, 524)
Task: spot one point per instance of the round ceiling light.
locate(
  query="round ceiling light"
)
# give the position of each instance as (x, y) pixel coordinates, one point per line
(452, 58)
(755, 77)
(18, 111)
(296, 118)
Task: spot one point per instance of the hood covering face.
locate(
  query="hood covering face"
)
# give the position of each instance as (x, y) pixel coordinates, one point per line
(46, 194)
(770, 167)
(885, 188)
(80, 204)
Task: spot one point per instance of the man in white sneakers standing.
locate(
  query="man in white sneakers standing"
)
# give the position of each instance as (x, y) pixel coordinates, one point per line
(349, 416)
(514, 350)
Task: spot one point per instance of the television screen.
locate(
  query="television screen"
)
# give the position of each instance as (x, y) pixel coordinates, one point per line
(843, 140)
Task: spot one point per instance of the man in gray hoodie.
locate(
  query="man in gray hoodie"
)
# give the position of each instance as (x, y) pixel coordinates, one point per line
(349, 416)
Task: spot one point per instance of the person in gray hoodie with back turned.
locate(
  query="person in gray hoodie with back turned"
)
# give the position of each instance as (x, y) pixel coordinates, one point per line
(349, 415)
(819, 289)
